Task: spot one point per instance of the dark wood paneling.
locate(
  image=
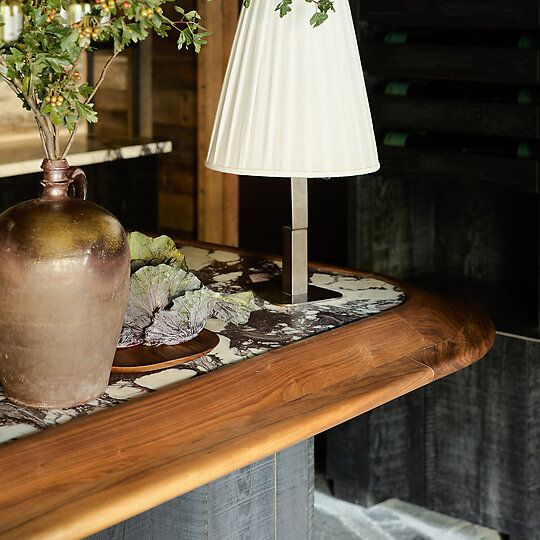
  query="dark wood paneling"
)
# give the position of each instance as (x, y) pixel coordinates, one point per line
(481, 13)
(466, 63)
(393, 230)
(127, 188)
(484, 469)
(480, 426)
(438, 166)
(265, 207)
(295, 489)
(478, 433)
(433, 115)
(380, 452)
(482, 234)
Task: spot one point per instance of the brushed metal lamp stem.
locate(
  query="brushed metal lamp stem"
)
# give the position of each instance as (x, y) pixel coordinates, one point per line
(295, 244)
(294, 287)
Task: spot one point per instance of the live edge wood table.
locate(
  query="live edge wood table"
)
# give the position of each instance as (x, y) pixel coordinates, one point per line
(230, 447)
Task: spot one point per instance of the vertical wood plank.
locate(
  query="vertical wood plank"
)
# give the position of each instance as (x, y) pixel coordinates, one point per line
(533, 437)
(391, 228)
(483, 468)
(241, 505)
(144, 84)
(471, 451)
(217, 193)
(380, 454)
(295, 486)
(271, 499)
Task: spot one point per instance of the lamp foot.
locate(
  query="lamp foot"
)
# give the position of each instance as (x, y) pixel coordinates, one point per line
(272, 292)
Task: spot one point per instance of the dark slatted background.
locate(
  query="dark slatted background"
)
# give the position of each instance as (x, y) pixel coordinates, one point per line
(460, 223)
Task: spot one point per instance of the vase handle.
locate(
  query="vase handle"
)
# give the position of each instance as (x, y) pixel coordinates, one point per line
(78, 179)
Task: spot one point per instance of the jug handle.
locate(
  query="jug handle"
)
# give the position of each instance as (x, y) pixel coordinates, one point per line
(78, 179)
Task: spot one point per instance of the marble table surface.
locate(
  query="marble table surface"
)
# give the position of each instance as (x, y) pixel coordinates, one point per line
(269, 327)
(24, 156)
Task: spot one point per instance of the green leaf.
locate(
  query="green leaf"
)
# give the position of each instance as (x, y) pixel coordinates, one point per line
(86, 111)
(71, 121)
(199, 41)
(235, 308)
(318, 19)
(85, 90)
(55, 117)
(68, 42)
(58, 64)
(192, 15)
(38, 16)
(147, 251)
(284, 7)
(182, 39)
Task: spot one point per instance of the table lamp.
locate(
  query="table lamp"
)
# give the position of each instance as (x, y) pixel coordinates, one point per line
(294, 105)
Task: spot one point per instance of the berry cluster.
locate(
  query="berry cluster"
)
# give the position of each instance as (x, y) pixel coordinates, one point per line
(51, 15)
(147, 13)
(107, 5)
(87, 32)
(54, 100)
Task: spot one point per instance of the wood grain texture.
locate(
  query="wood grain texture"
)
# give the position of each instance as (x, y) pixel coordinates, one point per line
(142, 358)
(217, 193)
(490, 64)
(491, 413)
(478, 118)
(270, 499)
(461, 13)
(437, 166)
(81, 477)
(391, 225)
(394, 434)
(143, 91)
(478, 432)
(174, 107)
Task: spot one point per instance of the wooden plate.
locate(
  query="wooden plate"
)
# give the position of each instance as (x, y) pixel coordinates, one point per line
(143, 358)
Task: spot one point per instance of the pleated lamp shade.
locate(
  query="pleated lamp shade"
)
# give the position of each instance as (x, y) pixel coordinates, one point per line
(293, 103)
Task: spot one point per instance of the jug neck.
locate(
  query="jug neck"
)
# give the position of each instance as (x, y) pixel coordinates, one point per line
(55, 181)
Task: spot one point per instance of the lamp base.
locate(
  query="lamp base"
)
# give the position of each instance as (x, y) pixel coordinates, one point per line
(272, 292)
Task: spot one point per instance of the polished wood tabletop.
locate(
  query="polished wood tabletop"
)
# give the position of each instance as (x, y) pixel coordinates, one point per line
(75, 479)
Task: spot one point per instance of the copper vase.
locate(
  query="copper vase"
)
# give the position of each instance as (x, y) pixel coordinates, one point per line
(64, 283)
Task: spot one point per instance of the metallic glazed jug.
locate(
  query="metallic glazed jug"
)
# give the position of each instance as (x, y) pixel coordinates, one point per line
(64, 284)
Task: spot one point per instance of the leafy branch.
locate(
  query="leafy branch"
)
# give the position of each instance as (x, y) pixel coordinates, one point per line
(42, 66)
(320, 15)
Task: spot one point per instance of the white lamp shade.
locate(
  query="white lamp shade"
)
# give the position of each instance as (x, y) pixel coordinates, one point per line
(293, 103)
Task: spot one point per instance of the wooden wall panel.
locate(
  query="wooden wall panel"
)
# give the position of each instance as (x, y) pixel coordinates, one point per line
(391, 226)
(380, 452)
(154, 90)
(217, 193)
(114, 99)
(466, 445)
(174, 107)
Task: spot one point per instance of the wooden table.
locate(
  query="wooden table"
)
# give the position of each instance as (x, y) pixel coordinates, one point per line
(97, 470)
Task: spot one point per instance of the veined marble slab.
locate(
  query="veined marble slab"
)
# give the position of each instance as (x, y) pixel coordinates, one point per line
(269, 327)
(24, 156)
